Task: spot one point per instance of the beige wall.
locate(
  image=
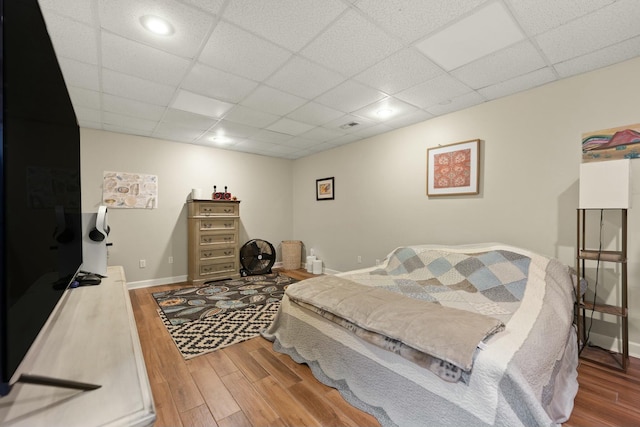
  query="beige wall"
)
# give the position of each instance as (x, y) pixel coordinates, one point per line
(263, 184)
(529, 179)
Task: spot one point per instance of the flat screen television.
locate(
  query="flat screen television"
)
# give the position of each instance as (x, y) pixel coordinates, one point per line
(40, 204)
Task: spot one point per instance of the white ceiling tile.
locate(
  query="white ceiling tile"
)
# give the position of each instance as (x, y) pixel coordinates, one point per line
(457, 103)
(543, 15)
(377, 129)
(125, 130)
(518, 84)
(189, 120)
(409, 119)
(89, 125)
(190, 25)
(128, 122)
(249, 116)
(342, 140)
(289, 23)
(434, 91)
(290, 127)
(486, 31)
(341, 124)
(88, 114)
(82, 97)
(72, 39)
(136, 59)
(302, 77)
(80, 74)
(350, 96)
(350, 45)
(601, 58)
(273, 101)
(322, 134)
(385, 109)
(401, 70)
(265, 135)
(505, 64)
(202, 105)
(300, 143)
(315, 114)
(234, 130)
(79, 10)
(218, 84)
(412, 19)
(173, 132)
(236, 51)
(211, 6)
(581, 35)
(131, 87)
(129, 107)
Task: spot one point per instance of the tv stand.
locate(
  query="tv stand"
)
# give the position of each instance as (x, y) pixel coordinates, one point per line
(90, 338)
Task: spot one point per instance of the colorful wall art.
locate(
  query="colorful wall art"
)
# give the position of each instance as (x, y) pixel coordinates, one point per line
(130, 190)
(611, 144)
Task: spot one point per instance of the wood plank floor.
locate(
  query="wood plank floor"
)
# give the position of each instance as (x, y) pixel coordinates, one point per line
(248, 384)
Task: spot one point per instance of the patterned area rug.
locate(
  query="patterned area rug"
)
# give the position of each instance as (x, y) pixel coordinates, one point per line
(215, 332)
(206, 318)
(196, 303)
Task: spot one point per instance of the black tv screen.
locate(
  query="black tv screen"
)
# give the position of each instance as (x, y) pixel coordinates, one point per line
(40, 203)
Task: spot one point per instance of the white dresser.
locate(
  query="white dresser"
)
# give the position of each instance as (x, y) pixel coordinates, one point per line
(91, 338)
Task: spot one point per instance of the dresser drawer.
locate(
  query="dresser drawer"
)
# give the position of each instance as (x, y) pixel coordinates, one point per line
(212, 253)
(214, 209)
(217, 267)
(217, 238)
(216, 224)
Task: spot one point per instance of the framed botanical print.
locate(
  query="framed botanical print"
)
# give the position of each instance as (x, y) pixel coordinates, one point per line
(454, 169)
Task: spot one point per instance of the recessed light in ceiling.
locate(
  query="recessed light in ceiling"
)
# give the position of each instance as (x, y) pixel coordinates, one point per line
(157, 25)
(220, 139)
(384, 113)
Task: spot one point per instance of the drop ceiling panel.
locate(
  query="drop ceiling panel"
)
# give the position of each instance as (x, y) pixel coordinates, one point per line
(84, 97)
(129, 107)
(128, 121)
(234, 130)
(601, 58)
(351, 44)
(273, 100)
(457, 103)
(237, 51)
(434, 91)
(595, 31)
(80, 74)
(136, 88)
(322, 134)
(288, 23)
(136, 59)
(518, 84)
(176, 133)
(190, 25)
(350, 96)
(202, 105)
(218, 84)
(543, 15)
(315, 114)
(290, 127)
(211, 6)
(399, 71)
(393, 107)
(412, 19)
(297, 74)
(189, 120)
(72, 39)
(78, 10)
(249, 116)
(503, 65)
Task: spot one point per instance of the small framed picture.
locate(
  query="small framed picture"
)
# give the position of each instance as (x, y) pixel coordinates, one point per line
(453, 170)
(324, 189)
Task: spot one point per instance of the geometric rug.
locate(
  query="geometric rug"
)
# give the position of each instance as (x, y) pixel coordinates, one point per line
(214, 332)
(199, 302)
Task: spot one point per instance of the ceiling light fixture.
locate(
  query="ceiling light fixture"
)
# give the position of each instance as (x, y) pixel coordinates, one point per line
(384, 113)
(157, 25)
(220, 139)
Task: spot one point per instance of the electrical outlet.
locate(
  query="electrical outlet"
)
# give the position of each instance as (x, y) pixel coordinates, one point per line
(170, 260)
(143, 263)
(359, 259)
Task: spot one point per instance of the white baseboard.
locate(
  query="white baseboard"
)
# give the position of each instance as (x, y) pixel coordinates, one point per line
(156, 282)
(613, 344)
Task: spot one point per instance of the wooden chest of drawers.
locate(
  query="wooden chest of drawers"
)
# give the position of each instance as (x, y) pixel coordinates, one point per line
(213, 240)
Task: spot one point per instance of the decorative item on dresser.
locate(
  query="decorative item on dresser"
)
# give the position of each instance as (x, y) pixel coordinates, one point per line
(213, 240)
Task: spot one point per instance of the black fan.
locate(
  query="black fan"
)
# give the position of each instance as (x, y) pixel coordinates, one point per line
(257, 257)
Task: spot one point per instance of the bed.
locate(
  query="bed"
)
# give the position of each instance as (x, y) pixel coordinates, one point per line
(441, 335)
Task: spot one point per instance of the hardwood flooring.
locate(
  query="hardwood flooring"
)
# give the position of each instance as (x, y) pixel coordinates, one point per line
(248, 384)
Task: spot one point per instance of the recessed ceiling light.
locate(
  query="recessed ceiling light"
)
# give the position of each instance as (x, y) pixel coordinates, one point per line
(384, 113)
(220, 139)
(157, 25)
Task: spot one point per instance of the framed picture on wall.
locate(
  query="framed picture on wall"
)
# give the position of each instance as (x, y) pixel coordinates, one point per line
(324, 189)
(454, 169)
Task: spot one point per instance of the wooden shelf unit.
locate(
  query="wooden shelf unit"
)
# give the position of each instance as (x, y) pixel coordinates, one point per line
(619, 361)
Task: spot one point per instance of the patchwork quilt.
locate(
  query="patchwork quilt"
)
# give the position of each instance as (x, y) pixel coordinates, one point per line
(523, 375)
